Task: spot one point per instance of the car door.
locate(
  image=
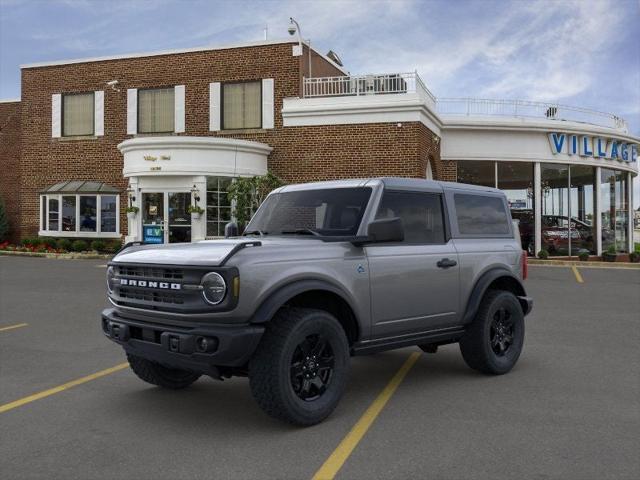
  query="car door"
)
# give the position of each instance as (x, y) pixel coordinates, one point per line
(414, 283)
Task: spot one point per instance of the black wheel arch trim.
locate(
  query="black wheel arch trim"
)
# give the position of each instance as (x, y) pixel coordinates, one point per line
(283, 294)
(482, 285)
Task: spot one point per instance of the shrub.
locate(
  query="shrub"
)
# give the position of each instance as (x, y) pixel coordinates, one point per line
(611, 249)
(79, 246)
(98, 245)
(64, 244)
(29, 242)
(634, 257)
(4, 222)
(47, 242)
(543, 254)
(583, 255)
(113, 246)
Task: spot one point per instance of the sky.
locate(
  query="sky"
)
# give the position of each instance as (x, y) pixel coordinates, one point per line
(584, 53)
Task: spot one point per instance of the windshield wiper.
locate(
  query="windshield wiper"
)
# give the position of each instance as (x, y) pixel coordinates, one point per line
(254, 232)
(301, 231)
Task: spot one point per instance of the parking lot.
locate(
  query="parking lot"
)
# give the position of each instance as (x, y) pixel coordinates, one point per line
(570, 408)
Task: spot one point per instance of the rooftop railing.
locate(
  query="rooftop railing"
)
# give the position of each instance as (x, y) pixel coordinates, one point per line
(357, 85)
(528, 109)
(401, 83)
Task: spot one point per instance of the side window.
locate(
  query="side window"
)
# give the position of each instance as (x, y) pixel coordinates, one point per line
(421, 215)
(481, 215)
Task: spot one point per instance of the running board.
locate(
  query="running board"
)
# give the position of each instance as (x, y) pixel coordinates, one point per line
(440, 337)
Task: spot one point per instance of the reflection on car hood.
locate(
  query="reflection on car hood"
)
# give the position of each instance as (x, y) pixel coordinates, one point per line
(208, 252)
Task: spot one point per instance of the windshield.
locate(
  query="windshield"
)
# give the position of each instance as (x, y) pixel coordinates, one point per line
(326, 212)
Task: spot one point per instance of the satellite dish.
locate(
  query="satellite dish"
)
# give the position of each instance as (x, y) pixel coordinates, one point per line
(333, 56)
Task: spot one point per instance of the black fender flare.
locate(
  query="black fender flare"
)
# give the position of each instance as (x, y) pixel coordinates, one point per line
(283, 294)
(481, 286)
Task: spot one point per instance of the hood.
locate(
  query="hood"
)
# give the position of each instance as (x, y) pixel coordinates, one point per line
(208, 252)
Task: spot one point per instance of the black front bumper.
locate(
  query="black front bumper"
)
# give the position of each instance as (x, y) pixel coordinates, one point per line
(200, 348)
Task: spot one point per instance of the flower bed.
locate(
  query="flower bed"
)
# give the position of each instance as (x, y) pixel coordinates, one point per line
(47, 245)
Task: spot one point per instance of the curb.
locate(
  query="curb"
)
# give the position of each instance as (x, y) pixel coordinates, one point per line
(571, 263)
(60, 256)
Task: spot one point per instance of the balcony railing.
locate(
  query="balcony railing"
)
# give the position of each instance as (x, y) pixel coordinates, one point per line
(357, 85)
(400, 83)
(525, 108)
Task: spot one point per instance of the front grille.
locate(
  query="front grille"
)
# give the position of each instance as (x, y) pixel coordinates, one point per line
(150, 272)
(154, 296)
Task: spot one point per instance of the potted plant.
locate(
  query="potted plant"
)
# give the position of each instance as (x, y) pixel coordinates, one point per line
(132, 211)
(583, 255)
(635, 255)
(195, 211)
(610, 255)
(543, 254)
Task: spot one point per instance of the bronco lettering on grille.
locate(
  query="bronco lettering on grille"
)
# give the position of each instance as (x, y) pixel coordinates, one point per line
(149, 284)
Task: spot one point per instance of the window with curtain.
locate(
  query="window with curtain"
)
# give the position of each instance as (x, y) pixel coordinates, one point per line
(77, 114)
(241, 105)
(156, 110)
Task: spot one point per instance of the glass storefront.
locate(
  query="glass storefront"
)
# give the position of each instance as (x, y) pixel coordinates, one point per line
(568, 195)
(614, 209)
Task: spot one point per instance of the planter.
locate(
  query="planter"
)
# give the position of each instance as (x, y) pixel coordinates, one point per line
(610, 257)
(131, 216)
(634, 257)
(195, 216)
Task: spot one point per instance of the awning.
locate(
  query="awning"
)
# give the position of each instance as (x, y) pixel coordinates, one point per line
(81, 186)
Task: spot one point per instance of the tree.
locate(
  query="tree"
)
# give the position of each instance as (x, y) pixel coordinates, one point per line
(246, 194)
(4, 222)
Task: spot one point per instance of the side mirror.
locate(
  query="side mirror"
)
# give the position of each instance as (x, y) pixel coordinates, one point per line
(231, 230)
(386, 230)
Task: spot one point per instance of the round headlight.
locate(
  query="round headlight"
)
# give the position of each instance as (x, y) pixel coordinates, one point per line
(111, 273)
(214, 288)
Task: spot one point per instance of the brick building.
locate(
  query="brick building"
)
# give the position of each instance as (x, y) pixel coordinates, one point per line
(163, 130)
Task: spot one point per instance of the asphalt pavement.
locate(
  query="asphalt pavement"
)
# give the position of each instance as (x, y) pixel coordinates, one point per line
(570, 409)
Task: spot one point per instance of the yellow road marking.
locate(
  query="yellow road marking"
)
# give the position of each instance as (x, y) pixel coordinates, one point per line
(11, 327)
(46, 393)
(577, 274)
(340, 455)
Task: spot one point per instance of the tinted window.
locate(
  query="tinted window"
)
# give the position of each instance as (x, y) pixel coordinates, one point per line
(481, 215)
(421, 215)
(332, 211)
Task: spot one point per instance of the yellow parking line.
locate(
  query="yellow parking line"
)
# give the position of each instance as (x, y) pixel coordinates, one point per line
(340, 455)
(46, 393)
(11, 327)
(577, 274)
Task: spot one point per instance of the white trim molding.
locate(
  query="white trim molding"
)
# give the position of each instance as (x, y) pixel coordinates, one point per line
(183, 155)
(179, 101)
(98, 112)
(268, 113)
(214, 107)
(56, 115)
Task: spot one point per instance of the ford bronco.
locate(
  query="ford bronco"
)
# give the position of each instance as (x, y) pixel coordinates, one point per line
(324, 271)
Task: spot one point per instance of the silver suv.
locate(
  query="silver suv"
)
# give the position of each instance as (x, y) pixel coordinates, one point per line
(324, 271)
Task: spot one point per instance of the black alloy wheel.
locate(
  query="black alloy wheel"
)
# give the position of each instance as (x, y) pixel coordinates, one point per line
(501, 332)
(312, 367)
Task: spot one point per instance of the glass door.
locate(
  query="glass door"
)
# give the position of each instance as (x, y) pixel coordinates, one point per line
(179, 218)
(153, 215)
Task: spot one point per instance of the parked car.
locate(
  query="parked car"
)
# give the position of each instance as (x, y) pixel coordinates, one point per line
(325, 271)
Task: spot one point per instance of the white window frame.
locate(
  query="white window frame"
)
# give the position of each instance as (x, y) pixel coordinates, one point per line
(78, 233)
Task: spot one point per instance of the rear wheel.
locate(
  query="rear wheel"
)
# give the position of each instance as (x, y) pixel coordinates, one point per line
(494, 340)
(157, 374)
(299, 371)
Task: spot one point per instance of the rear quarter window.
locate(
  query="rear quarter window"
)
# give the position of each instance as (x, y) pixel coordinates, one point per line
(481, 215)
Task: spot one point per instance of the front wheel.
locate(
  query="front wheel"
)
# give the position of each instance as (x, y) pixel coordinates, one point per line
(299, 371)
(493, 342)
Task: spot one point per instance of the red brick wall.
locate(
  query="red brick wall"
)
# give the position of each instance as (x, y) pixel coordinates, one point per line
(10, 163)
(299, 153)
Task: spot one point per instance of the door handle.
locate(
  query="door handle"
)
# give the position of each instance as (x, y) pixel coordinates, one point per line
(446, 263)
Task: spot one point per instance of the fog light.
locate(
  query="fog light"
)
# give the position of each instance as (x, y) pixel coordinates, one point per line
(206, 344)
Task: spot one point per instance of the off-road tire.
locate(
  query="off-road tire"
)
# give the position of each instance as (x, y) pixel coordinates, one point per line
(156, 374)
(271, 368)
(476, 344)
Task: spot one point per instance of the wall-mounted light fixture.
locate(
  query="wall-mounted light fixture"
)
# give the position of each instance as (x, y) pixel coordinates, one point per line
(132, 196)
(195, 194)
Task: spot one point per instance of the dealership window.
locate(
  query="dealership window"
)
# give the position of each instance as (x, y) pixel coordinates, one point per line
(156, 110)
(72, 209)
(555, 208)
(581, 206)
(218, 205)
(477, 172)
(241, 105)
(481, 215)
(78, 114)
(421, 215)
(614, 209)
(515, 179)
